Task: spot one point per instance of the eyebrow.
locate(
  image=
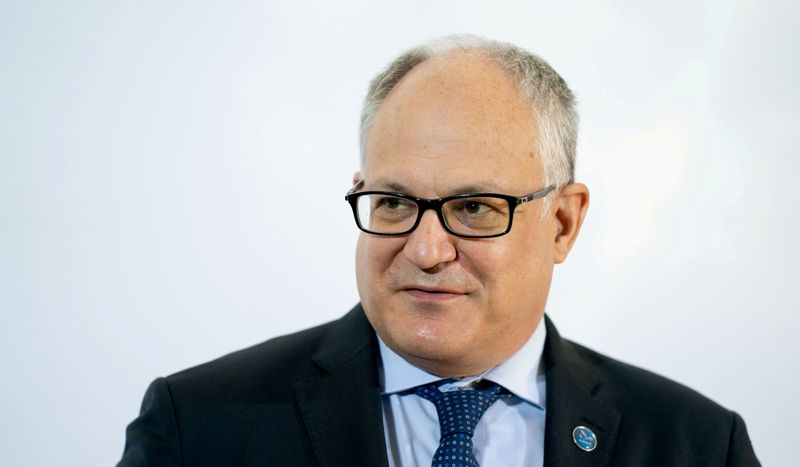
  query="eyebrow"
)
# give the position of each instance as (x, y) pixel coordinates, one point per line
(475, 187)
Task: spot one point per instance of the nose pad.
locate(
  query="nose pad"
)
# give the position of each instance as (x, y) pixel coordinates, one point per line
(429, 244)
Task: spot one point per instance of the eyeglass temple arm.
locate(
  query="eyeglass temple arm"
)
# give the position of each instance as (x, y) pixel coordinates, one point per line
(355, 188)
(539, 194)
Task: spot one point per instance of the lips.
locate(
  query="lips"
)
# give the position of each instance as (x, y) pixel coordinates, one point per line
(428, 293)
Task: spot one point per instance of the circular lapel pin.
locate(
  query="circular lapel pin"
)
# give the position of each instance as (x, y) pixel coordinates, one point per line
(584, 438)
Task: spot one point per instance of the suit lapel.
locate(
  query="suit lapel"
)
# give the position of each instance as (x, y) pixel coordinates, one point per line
(342, 408)
(572, 386)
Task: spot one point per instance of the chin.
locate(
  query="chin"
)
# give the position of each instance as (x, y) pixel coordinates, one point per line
(426, 331)
(431, 342)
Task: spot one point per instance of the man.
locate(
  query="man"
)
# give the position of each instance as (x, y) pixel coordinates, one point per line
(466, 201)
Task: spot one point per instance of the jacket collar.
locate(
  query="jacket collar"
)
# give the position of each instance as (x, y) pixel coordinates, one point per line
(341, 408)
(572, 389)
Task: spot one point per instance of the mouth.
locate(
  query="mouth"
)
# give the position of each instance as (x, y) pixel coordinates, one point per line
(433, 294)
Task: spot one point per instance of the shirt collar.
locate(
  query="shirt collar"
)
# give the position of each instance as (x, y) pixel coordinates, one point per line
(520, 374)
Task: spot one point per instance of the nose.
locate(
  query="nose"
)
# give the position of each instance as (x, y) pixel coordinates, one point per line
(429, 244)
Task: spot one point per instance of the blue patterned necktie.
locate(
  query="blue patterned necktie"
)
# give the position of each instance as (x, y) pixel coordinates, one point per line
(459, 411)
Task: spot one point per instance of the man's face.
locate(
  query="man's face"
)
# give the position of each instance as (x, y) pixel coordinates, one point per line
(456, 306)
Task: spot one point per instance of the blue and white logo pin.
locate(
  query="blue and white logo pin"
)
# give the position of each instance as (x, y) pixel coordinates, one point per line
(584, 438)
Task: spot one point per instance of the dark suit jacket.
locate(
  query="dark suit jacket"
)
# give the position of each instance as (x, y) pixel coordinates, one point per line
(313, 399)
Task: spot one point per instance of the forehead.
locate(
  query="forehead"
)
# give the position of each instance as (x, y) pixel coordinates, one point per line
(454, 119)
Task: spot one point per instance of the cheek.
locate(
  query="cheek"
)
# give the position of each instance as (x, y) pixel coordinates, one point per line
(512, 271)
(373, 257)
(498, 263)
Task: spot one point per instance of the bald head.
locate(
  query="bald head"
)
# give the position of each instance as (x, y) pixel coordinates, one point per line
(545, 93)
(454, 97)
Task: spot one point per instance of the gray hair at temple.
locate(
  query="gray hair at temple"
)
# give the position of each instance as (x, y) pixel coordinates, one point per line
(550, 98)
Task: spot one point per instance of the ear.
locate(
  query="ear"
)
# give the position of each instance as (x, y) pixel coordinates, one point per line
(570, 210)
(356, 177)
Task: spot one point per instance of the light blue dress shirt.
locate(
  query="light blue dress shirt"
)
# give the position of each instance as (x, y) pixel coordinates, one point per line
(510, 433)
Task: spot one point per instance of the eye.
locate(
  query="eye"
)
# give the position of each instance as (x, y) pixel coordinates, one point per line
(391, 207)
(473, 207)
(391, 203)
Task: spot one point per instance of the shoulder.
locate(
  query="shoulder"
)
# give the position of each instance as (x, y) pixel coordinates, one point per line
(635, 392)
(272, 367)
(658, 414)
(247, 399)
(625, 385)
(268, 367)
(648, 419)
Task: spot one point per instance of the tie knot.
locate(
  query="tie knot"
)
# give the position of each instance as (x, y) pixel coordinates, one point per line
(459, 410)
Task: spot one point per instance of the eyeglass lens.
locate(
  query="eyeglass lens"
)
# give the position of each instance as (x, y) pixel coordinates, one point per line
(476, 215)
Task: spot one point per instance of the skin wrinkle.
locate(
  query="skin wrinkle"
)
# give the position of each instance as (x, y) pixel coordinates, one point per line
(451, 122)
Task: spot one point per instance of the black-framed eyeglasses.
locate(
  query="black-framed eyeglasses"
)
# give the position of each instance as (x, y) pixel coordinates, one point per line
(471, 215)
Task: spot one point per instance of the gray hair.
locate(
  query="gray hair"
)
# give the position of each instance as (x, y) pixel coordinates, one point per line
(552, 102)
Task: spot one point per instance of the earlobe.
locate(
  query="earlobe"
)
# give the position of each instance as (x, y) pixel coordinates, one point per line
(571, 206)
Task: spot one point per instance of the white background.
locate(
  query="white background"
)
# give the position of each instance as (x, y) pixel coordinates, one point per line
(164, 166)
